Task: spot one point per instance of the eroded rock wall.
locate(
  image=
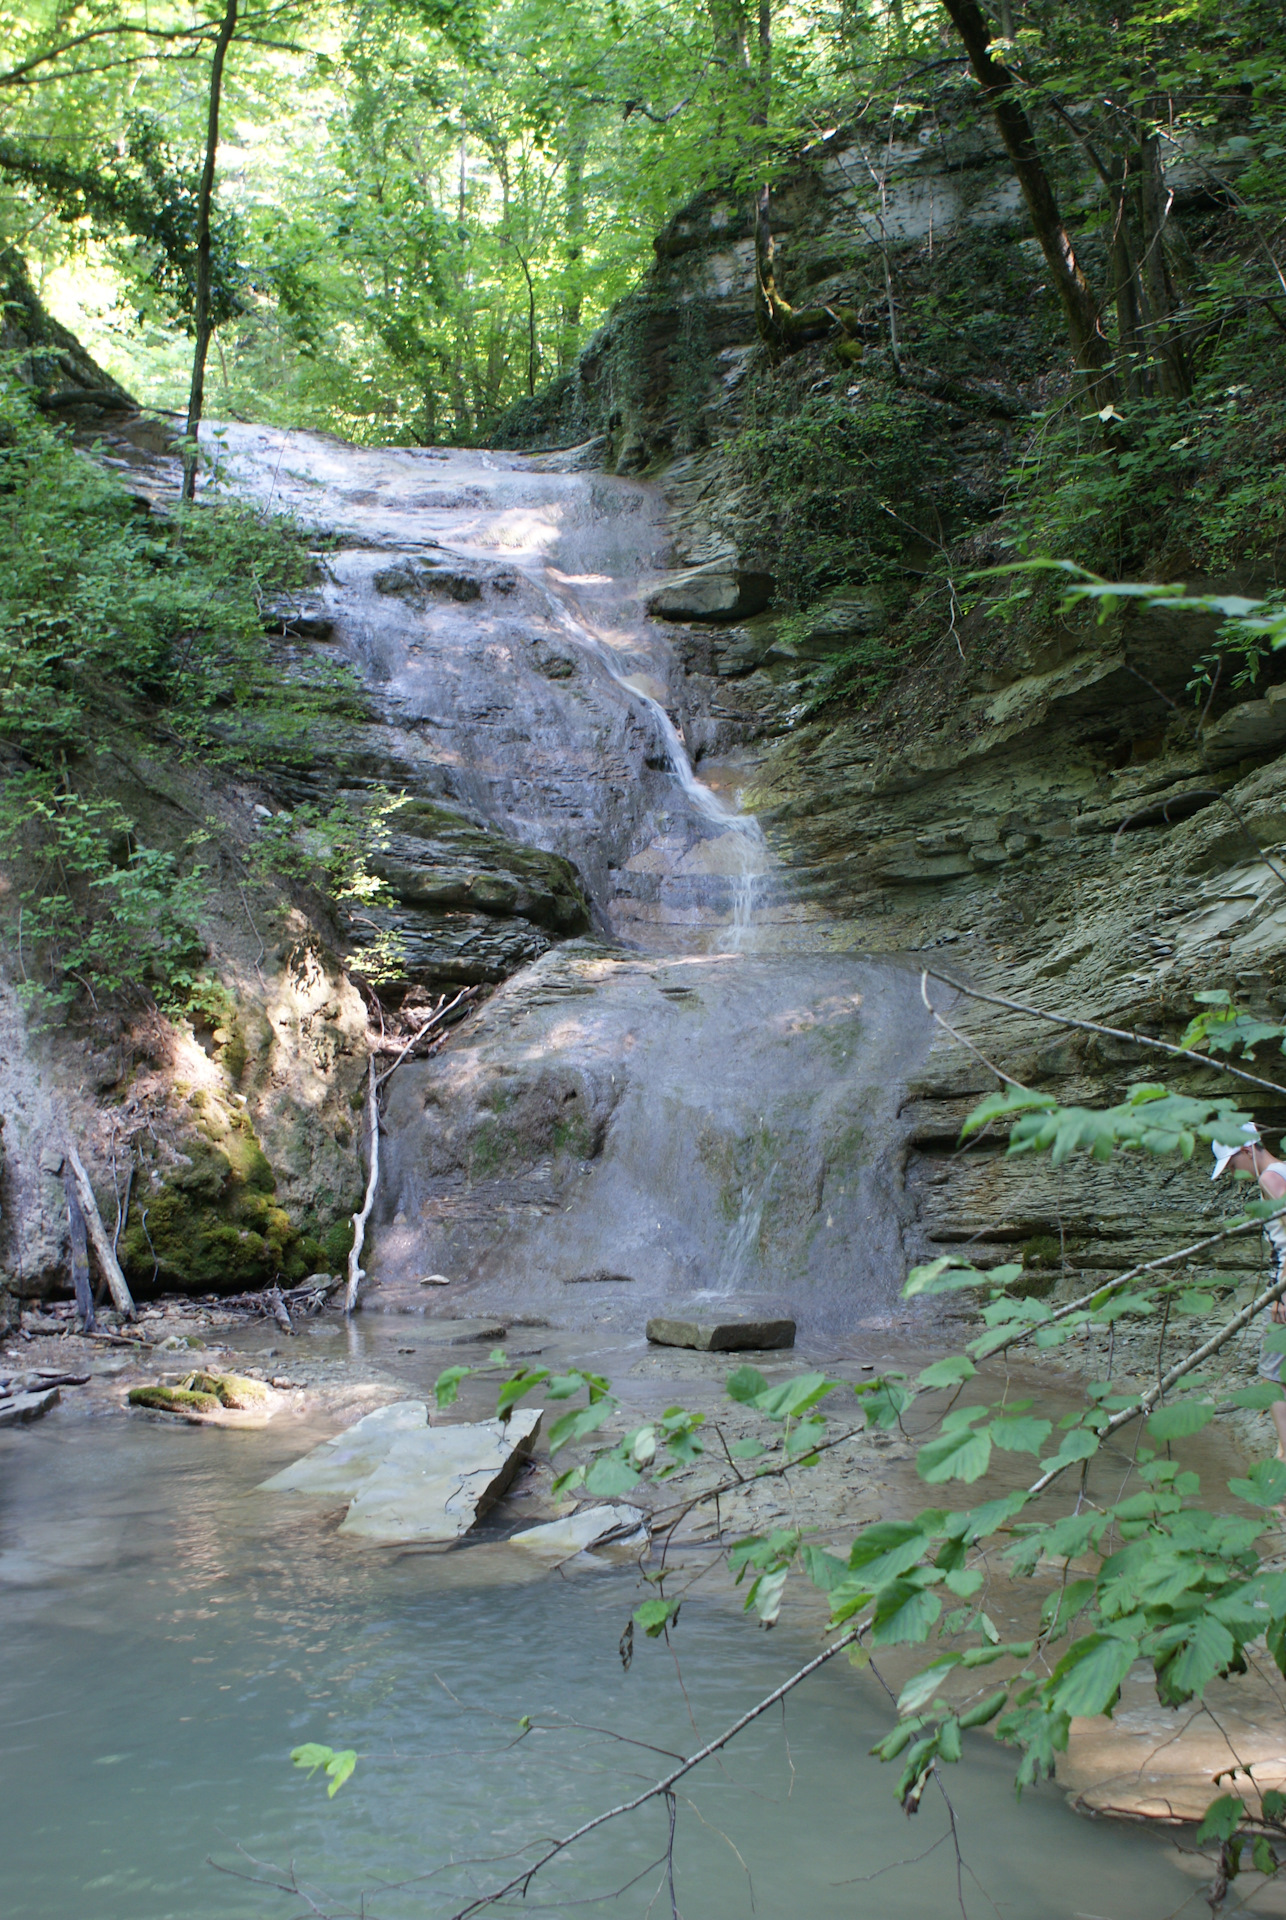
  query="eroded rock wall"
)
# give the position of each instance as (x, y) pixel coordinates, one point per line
(1037, 808)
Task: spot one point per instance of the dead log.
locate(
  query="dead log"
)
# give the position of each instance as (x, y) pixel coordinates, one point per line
(79, 1252)
(356, 1275)
(279, 1310)
(99, 1239)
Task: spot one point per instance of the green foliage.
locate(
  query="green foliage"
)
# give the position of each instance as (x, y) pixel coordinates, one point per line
(337, 1767)
(115, 625)
(1222, 1027)
(1151, 1119)
(844, 481)
(101, 912)
(144, 190)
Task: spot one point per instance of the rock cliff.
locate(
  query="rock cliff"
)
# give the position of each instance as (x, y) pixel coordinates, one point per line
(1036, 806)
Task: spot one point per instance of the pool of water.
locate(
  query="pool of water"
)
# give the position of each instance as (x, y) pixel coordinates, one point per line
(171, 1634)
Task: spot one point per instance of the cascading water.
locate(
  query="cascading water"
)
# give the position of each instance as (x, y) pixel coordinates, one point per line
(694, 1110)
(745, 837)
(620, 1124)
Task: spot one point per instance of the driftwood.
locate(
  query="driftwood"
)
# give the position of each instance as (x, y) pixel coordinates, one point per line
(99, 1238)
(430, 1028)
(79, 1252)
(310, 1296)
(279, 1310)
(356, 1274)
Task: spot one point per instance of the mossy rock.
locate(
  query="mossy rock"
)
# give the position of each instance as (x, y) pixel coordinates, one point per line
(232, 1390)
(212, 1224)
(174, 1400)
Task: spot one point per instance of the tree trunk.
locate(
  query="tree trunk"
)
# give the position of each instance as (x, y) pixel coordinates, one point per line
(104, 1252)
(79, 1252)
(1090, 347)
(575, 230)
(1131, 347)
(767, 298)
(1174, 373)
(196, 394)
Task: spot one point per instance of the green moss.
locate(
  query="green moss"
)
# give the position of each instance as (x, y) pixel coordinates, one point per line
(335, 1246)
(174, 1400)
(229, 1389)
(211, 1223)
(572, 1136)
(234, 1054)
(488, 1150)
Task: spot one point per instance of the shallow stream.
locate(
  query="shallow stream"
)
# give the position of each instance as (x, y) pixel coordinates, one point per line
(171, 1634)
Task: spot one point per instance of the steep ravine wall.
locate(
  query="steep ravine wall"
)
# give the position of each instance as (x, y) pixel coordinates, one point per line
(1037, 809)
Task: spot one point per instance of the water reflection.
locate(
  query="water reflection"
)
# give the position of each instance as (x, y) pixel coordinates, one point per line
(155, 1679)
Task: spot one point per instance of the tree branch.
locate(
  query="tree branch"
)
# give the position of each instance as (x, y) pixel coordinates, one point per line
(661, 1788)
(1112, 1033)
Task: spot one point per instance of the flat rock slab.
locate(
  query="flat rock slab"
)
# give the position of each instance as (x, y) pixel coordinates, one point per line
(21, 1407)
(342, 1465)
(408, 1483)
(721, 1336)
(591, 1527)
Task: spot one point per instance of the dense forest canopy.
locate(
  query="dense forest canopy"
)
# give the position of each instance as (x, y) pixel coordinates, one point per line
(423, 208)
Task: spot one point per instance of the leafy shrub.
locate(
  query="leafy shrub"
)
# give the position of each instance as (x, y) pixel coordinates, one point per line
(112, 624)
(845, 483)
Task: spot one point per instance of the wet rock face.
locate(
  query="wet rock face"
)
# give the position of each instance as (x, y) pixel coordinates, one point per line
(494, 609)
(470, 906)
(612, 1132)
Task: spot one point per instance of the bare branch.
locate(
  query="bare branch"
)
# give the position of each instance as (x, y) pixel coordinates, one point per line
(1112, 1033)
(663, 1789)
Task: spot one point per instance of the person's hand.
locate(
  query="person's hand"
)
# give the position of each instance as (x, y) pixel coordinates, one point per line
(1277, 1312)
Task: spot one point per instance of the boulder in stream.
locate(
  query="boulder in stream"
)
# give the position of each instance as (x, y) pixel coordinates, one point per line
(721, 1336)
(408, 1483)
(18, 1408)
(559, 1540)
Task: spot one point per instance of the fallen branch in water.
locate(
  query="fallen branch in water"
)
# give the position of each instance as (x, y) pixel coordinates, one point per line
(661, 1789)
(356, 1273)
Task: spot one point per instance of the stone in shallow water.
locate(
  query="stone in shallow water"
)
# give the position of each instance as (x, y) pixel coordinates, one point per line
(591, 1527)
(721, 1336)
(432, 1486)
(408, 1482)
(21, 1407)
(342, 1464)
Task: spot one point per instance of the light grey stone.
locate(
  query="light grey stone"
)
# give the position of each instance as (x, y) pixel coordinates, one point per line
(431, 1486)
(710, 593)
(1256, 726)
(342, 1464)
(721, 1336)
(408, 1482)
(27, 1406)
(578, 1532)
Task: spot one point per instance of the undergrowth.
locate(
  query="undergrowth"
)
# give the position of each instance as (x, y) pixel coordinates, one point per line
(119, 626)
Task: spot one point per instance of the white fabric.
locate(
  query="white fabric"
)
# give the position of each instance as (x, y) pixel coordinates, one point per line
(1224, 1154)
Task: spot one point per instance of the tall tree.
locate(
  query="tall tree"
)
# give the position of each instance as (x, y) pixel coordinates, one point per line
(201, 316)
(1091, 348)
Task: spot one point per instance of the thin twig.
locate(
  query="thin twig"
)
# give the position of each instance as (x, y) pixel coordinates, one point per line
(1147, 1401)
(1108, 1287)
(1112, 1033)
(990, 1065)
(663, 1788)
(435, 1020)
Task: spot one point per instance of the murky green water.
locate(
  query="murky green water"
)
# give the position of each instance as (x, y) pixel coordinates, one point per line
(170, 1635)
